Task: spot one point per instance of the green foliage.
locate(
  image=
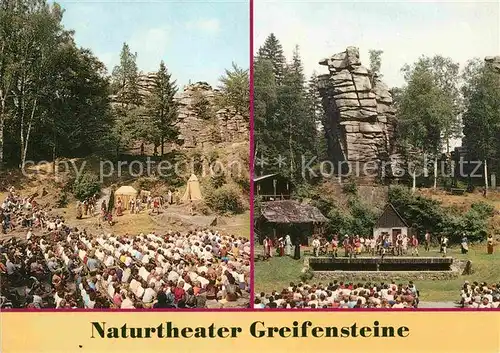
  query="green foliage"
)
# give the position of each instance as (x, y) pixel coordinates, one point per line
(243, 182)
(375, 60)
(125, 77)
(427, 214)
(481, 118)
(272, 51)
(363, 217)
(63, 200)
(340, 222)
(225, 199)
(63, 89)
(235, 90)
(307, 275)
(162, 109)
(420, 212)
(429, 104)
(85, 186)
(483, 209)
(201, 106)
(286, 112)
(203, 209)
(358, 218)
(350, 187)
(217, 180)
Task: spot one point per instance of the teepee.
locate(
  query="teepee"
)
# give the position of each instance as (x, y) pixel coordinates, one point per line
(193, 192)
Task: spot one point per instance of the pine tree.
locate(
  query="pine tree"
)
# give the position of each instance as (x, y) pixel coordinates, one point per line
(265, 115)
(162, 108)
(317, 115)
(295, 115)
(273, 51)
(125, 77)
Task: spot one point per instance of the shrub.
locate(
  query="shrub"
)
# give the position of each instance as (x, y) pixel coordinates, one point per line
(350, 188)
(244, 183)
(307, 275)
(217, 180)
(483, 209)
(145, 183)
(426, 213)
(225, 199)
(363, 218)
(86, 186)
(339, 222)
(203, 208)
(62, 201)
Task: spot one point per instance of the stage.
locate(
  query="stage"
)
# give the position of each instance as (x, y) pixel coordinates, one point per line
(377, 268)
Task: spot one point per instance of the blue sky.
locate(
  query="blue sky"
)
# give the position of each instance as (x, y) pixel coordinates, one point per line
(196, 39)
(404, 30)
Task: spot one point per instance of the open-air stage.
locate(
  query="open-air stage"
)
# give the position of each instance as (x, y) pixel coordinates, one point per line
(382, 269)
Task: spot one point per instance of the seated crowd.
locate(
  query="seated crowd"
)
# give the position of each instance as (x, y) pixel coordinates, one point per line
(65, 267)
(480, 295)
(340, 295)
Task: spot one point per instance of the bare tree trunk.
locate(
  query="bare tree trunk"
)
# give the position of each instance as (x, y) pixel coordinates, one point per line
(414, 186)
(485, 174)
(435, 172)
(291, 150)
(54, 157)
(254, 157)
(2, 124)
(28, 132)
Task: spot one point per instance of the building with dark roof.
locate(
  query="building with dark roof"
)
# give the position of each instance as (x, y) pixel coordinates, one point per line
(390, 222)
(276, 219)
(272, 187)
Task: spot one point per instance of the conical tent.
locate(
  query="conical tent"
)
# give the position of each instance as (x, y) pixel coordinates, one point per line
(125, 193)
(193, 192)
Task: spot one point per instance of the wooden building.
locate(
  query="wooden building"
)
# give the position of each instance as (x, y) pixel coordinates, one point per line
(272, 187)
(276, 219)
(390, 222)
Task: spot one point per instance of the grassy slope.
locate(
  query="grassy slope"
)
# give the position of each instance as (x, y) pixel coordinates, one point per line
(280, 271)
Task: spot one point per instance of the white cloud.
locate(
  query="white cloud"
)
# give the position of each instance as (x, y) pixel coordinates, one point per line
(210, 26)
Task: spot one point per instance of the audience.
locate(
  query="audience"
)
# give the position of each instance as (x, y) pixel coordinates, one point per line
(480, 295)
(340, 295)
(66, 267)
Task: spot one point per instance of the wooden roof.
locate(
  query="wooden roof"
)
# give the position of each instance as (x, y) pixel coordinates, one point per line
(390, 218)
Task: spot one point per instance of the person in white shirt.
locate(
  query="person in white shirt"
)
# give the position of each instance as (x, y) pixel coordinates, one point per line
(316, 244)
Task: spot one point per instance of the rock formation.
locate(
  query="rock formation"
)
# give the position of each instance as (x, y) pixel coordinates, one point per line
(223, 125)
(359, 112)
(218, 126)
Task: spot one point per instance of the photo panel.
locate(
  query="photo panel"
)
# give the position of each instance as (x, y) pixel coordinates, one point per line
(124, 146)
(376, 151)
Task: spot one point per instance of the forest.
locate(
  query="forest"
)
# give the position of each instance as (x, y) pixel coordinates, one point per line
(439, 101)
(59, 100)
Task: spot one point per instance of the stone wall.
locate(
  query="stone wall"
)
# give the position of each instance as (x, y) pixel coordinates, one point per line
(372, 276)
(360, 116)
(367, 276)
